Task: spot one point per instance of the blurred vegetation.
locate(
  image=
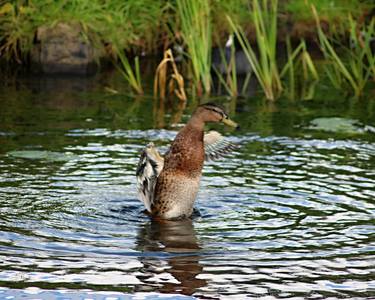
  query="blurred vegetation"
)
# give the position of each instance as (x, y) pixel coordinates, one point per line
(119, 24)
(264, 61)
(331, 10)
(143, 27)
(143, 24)
(195, 20)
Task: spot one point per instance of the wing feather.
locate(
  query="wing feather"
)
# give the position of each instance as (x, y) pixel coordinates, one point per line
(216, 146)
(149, 167)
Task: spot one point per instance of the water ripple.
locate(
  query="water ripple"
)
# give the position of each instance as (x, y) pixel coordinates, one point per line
(279, 218)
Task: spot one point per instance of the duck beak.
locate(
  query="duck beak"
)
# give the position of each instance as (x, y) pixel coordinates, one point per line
(229, 122)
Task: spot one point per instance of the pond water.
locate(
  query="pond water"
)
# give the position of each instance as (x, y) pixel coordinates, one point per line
(289, 215)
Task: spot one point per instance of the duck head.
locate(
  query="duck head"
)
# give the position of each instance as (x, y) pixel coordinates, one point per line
(210, 112)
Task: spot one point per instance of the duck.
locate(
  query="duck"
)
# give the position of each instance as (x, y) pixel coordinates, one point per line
(168, 184)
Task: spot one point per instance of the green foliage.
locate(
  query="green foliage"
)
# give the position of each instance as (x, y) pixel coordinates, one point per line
(327, 9)
(301, 71)
(237, 10)
(17, 30)
(354, 66)
(264, 65)
(145, 25)
(195, 21)
(120, 23)
(230, 80)
(131, 74)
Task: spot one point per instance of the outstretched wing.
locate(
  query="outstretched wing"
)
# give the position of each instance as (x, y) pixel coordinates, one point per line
(149, 167)
(216, 146)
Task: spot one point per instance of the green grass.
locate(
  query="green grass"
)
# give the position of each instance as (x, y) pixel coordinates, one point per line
(330, 10)
(16, 32)
(300, 72)
(237, 10)
(229, 79)
(124, 24)
(145, 24)
(195, 22)
(263, 61)
(131, 73)
(352, 67)
(116, 27)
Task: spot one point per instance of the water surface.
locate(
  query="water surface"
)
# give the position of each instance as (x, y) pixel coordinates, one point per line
(288, 215)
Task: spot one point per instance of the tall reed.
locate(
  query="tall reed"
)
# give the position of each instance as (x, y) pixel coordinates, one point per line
(131, 74)
(195, 22)
(354, 66)
(301, 71)
(264, 65)
(228, 78)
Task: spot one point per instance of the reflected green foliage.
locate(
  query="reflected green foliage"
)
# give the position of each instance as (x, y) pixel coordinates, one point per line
(85, 103)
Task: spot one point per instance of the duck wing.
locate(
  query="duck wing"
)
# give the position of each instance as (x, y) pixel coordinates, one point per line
(216, 146)
(149, 167)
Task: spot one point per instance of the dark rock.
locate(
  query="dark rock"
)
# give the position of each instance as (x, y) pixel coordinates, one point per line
(62, 49)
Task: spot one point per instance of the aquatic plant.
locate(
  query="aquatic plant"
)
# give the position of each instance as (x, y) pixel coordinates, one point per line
(195, 21)
(301, 71)
(161, 79)
(355, 64)
(230, 73)
(131, 74)
(264, 65)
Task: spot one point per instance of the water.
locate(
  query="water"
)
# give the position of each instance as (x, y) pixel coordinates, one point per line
(290, 215)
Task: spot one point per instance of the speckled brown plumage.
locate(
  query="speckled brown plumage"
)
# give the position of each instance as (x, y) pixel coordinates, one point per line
(178, 182)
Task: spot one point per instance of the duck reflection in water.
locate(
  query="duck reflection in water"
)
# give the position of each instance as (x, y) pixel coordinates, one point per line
(177, 239)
